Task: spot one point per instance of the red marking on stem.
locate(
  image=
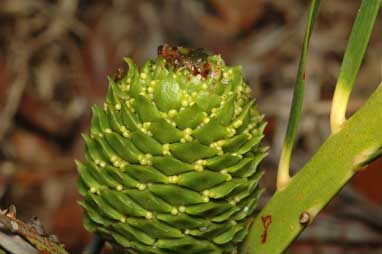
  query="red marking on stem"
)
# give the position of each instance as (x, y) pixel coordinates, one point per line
(303, 76)
(267, 220)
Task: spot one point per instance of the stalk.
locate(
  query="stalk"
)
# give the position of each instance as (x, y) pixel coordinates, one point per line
(355, 51)
(283, 176)
(289, 211)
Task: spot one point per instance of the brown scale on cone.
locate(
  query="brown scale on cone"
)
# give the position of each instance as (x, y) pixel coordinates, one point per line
(195, 60)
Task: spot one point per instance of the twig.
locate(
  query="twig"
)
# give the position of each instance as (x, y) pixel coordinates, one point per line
(16, 228)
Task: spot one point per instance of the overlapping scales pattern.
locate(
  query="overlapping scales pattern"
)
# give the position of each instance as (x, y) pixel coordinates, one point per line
(171, 160)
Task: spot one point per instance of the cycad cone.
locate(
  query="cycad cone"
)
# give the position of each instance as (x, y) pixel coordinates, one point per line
(171, 160)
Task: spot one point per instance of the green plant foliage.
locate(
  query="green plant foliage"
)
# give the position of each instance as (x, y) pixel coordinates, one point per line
(338, 159)
(296, 108)
(354, 144)
(171, 159)
(355, 51)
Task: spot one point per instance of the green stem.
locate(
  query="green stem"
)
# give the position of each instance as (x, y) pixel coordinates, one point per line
(283, 176)
(290, 210)
(358, 41)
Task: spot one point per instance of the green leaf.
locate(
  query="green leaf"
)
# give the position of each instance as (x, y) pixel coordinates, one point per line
(146, 110)
(106, 209)
(206, 101)
(221, 161)
(130, 233)
(183, 196)
(170, 166)
(86, 177)
(128, 118)
(298, 97)
(226, 188)
(355, 51)
(183, 221)
(189, 117)
(146, 143)
(208, 209)
(123, 203)
(167, 94)
(228, 235)
(149, 201)
(188, 245)
(155, 228)
(145, 174)
(210, 230)
(192, 151)
(226, 111)
(210, 132)
(165, 132)
(199, 181)
(124, 148)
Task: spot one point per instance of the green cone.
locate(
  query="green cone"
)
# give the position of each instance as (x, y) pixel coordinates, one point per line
(171, 159)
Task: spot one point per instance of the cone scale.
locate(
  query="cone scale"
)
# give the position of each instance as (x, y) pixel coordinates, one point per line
(171, 159)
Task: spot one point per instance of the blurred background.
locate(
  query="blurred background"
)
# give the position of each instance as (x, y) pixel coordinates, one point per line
(55, 55)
